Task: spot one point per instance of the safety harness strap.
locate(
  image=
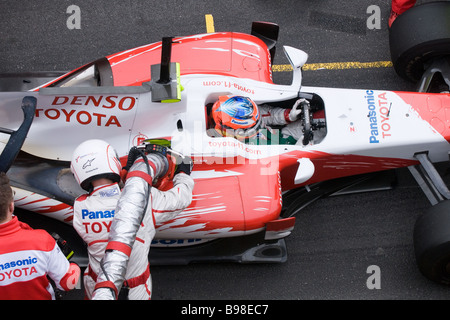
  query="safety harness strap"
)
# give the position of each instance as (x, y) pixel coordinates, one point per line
(139, 280)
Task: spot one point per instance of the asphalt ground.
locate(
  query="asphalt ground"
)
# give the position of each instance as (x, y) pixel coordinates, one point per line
(335, 240)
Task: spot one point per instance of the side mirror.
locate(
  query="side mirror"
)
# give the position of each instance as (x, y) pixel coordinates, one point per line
(297, 58)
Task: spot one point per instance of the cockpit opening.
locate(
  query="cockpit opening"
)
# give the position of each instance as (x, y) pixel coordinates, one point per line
(276, 123)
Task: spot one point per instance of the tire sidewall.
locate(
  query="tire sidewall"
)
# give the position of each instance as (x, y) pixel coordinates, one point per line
(418, 36)
(432, 242)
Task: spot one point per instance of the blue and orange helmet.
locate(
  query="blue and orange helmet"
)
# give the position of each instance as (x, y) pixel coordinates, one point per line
(236, 116)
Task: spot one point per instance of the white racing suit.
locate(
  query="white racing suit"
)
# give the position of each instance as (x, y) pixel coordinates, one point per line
(134, 211)
(93, 218)
(274, 116)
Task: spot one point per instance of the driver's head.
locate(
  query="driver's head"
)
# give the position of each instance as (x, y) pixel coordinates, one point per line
(236, 116)
(95, 159)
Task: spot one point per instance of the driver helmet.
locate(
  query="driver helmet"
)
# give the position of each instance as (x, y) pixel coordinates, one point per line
(236, 116)
(95, 159)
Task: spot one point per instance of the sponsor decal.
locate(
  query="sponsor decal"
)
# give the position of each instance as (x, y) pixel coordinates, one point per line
(138, 139)
(108, 193)
(379, 111)
(228, 84)
(234, 144)
(88, 163)
(87, 110)
(97, 214)
(98, 226)
(177, 242)
(18, 263)
(18, 268)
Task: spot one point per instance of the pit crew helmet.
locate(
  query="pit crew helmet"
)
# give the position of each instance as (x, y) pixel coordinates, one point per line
(95, 159)
(236, 116)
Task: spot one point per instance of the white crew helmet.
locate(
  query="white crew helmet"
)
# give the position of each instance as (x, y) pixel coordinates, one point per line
(94, 159)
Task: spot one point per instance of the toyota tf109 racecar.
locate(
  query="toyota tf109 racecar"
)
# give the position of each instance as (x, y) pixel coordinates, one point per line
(246, 192)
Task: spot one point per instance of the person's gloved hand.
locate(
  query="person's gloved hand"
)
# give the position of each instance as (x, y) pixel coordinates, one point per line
(295, 111)
(184, 164)
(132, 156)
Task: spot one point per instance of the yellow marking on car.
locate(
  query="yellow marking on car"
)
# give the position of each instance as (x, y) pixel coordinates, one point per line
(334, 66)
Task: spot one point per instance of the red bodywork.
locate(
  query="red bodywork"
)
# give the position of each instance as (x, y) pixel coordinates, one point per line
(228, 54)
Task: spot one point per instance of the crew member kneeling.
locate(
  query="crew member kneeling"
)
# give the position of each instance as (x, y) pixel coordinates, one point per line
(28, 256)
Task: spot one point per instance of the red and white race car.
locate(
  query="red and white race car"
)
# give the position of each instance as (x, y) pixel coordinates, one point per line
(245, 195)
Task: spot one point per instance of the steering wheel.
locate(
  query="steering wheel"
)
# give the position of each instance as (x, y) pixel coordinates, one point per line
(306, 122)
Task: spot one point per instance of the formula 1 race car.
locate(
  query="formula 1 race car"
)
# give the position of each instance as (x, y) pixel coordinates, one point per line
(246, 194)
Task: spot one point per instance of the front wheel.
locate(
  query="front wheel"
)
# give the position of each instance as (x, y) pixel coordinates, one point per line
(432, 242)
(419, 36)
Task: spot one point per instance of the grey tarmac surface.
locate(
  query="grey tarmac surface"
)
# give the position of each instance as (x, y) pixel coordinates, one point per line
(336, 239)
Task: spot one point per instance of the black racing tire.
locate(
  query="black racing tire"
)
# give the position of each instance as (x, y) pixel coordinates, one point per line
(418, 36)
(432, 243)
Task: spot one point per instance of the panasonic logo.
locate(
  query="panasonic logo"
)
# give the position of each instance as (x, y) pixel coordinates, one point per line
(18, 263)
(97, 214)
(372, 117)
